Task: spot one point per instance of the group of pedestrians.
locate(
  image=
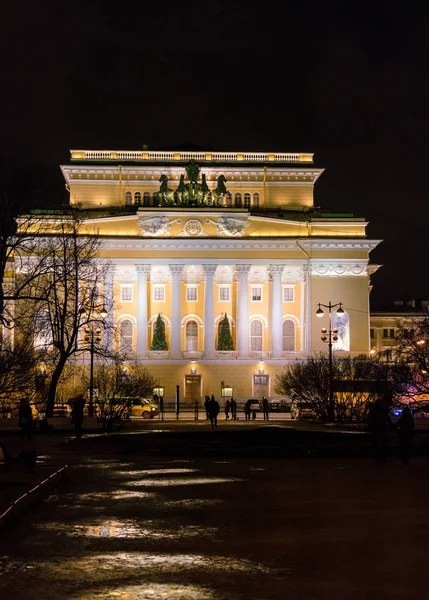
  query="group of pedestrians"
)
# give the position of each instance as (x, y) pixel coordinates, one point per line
(212, 409)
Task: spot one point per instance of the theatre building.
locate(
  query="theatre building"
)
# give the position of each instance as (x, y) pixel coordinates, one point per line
(197, 236)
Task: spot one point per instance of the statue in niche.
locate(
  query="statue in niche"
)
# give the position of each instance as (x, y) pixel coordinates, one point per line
(166, 193)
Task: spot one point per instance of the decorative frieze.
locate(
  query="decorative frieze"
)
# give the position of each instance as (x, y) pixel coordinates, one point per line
(339, 269)
(230, 226)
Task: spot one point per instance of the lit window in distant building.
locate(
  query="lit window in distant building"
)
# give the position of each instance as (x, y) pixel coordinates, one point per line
(288, 294)
(191, 293)
(126, 337)
(223, 293)
(288, 336)
(127, 293)
(159, 293)
(256, 336)
(256, 293)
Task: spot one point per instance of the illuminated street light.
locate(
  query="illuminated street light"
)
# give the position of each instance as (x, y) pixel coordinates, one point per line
(330, 335)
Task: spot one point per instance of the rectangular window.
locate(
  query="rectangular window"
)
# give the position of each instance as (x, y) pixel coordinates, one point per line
(159, 293)
(223, 293)
(126, 293)
(372, 333)
(288, 294)
(191, 294)
(392, 334)
(256, 294)
(385, 333)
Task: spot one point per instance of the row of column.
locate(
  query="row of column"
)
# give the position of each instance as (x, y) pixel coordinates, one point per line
(242, 310)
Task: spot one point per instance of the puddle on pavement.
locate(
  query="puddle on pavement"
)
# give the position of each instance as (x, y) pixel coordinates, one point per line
(142, 472)
(180, 482)
(151, 592)
(128, 529)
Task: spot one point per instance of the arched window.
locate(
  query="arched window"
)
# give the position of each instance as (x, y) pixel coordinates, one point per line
(128, 198)
(228, 199)
(126, 338)
(288, 336)
(342, 323)
(146, 198)
(137, 198)
(246, 200)
(238, 200)
(256, 336)
(155, 199)
(42, 330)
(256, 199)
(191, 336)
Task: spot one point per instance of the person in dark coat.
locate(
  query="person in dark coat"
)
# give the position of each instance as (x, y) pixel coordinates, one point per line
(265, 407)
(206, 406)
(247, 411)
(25, 418)
(213, 411)
(379, 423)
(227, 408)
(77, 414)
(405, 424)
(233, 406)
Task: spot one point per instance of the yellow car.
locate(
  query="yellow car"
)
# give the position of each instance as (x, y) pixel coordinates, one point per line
(144, 409)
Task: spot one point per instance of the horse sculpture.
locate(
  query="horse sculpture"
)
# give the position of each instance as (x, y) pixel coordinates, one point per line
(219, 192)
(166, 193)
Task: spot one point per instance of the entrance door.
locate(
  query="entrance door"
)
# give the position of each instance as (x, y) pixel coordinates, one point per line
(192, 389)
(261, 386)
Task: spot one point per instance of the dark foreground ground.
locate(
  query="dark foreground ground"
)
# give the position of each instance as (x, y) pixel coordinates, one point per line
(256, 514)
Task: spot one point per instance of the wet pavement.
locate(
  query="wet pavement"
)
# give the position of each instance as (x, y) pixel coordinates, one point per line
(131, 523)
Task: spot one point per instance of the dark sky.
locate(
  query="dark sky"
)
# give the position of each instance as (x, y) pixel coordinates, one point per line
(347, 80)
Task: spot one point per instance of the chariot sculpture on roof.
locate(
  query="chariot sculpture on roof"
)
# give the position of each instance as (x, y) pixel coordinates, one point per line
(192, 193)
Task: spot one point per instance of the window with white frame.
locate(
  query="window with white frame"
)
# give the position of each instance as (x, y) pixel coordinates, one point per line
(256, 336)
(137, 198)
(127, 293)
(191, 336)
(128, 198)
(288, 294)
(146, 198)
(256, 199)
(224, 293)
(256, 293)
(288, 336)
(191, 293)
(158, 293)
(126, 336)
(247, 200)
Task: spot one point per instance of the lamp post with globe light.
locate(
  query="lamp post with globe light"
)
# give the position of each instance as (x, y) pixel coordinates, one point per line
(329, 336)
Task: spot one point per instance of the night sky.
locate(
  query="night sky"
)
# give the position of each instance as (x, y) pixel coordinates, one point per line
(347, 80)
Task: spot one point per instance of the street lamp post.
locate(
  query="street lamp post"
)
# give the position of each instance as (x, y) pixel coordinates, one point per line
(330, 335)
(93, 337)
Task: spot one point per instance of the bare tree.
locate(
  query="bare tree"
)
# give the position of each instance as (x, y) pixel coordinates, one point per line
(308, 381)
(118, 387)
(71, 299)
(17, 364)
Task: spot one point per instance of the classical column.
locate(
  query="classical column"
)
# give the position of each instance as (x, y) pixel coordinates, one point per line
(209, 327)
(108, 303)
(143, 272)
(176, 312)
(276, 310)
(242, 310)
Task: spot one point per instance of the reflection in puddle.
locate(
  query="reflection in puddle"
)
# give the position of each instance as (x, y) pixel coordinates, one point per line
(129, 529)
(171, 481)
(155, 472)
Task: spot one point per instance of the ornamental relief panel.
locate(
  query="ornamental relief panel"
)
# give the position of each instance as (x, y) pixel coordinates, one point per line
(339, 270)
(230, 226)
(157, 226)
(192, 228)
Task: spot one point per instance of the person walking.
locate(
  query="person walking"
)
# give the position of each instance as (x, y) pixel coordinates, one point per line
(227, 407)
(207, 406)
(25, 419)
(233, 406)
(405, 424)
(265, 407)
(77, 414)
(247, 411)
(213, 411)
(379, 422)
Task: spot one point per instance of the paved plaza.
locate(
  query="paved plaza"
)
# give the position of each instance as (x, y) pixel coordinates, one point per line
(152, 515)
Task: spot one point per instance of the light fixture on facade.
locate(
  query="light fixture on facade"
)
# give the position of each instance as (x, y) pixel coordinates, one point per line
(261, 371)
(193, 370)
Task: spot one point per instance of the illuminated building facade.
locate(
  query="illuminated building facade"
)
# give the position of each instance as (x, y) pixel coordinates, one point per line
(193, 236)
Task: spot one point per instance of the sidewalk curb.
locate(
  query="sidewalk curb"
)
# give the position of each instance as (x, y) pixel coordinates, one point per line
(35, 494)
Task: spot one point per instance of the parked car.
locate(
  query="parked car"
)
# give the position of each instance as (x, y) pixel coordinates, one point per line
(279, 406)
(254, 404)
(144, 408)
(301, 410)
